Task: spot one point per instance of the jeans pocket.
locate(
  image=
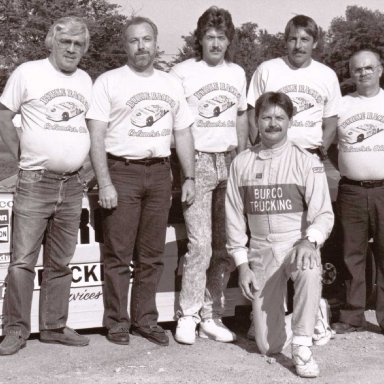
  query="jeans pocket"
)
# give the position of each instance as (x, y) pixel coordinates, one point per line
(29, 177)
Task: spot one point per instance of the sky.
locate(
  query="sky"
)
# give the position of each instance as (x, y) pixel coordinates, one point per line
(175, 18)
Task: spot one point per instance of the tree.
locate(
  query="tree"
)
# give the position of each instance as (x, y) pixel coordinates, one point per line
(24, 25)
(250, 47)
(361, 28)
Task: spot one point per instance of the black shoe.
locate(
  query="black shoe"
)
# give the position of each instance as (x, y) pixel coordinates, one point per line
(341, 328)
(65, 336)
(153, 333)
(118, 335)
(11, 344)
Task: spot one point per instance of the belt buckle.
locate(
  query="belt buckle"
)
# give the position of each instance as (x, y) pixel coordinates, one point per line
(368, 183)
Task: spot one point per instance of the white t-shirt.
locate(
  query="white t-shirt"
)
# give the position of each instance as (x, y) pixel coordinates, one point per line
(52, 105)
(314, 91)
(361, 137)
(214, 95)
(141, 112)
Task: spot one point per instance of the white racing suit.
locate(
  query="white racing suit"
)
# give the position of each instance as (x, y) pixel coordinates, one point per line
(282, 196)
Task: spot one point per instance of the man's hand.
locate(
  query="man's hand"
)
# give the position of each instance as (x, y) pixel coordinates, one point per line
(188, 192)
(247, 281)
(305, 254)
(108, 196)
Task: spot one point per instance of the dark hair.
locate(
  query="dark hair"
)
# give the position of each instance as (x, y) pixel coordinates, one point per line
(217, 18)
(305, 22)
(64, 24)
(274, 98)
(139, 20)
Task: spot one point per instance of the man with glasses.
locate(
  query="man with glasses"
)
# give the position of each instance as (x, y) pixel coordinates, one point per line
(361, 189)
(52, 96)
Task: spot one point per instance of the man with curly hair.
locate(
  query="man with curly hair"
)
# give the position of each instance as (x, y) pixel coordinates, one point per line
(52, 96)
(215, 89)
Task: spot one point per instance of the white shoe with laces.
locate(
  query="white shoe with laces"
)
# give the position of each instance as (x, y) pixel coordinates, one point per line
(304, 363)
(186, 330)
(214, 329)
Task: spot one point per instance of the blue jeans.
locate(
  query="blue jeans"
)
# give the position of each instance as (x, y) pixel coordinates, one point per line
(362, 217)
(139, 222)
(46, 206)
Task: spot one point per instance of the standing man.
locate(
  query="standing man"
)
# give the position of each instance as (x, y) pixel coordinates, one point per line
(280, 192)
(313, 88)
(361, 189)
(52, 96)
(215, 89)
(315, 92)
(134, 112)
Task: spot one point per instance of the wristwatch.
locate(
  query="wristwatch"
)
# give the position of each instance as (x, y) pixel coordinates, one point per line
(312, 241)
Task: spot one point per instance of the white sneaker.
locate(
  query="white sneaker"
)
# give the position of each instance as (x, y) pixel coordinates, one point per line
(186, 330)
(214, 329)
(304, 363)
(323, 332)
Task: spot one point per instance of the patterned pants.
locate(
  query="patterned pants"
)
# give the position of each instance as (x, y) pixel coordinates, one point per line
(207, 265)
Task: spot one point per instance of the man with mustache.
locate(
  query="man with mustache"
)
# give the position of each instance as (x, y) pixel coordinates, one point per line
(360, 196)
(135, 110)
(278, 212)
(52, 95)
(314, 90)
(215, 89)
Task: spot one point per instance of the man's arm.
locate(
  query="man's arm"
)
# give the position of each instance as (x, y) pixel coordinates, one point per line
(242, 130)
(8, 131)
(185, 149)
(107, 192)
(320, 216)
(329, 130)
(253, 130)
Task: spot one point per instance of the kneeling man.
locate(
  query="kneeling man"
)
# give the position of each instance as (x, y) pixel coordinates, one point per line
(280, 192)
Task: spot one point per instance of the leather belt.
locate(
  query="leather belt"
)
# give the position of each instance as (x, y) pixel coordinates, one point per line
(147, 161)
(362, 183)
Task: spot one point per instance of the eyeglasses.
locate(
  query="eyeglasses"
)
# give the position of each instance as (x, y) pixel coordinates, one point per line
(66, 43)
(369, 69)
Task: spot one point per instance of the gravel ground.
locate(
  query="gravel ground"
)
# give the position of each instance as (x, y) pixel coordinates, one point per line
(356, 358)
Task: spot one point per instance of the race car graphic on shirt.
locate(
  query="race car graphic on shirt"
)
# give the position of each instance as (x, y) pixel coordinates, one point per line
(300, 104)
(358, 134)
(145, 117)
(213, 107)
(63, 111)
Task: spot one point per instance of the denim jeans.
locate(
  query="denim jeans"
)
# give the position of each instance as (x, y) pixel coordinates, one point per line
(46, 206)
(361, 213)
(207, 265)
(139, 222)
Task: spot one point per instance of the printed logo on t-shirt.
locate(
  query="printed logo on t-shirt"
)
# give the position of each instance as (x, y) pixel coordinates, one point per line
(62, 105)
(147, 116)
(358, 128)
(215, 106)
(273, 199)
(63, 111)
(360, 133)
(300, 104)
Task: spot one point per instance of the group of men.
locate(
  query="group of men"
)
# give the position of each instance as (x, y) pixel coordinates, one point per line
(267, 211)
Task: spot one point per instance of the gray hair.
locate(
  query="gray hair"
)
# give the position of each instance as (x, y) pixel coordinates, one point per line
(64, 24)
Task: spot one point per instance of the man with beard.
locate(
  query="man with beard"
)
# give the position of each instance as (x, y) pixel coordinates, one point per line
(279, 193)
(135, 110)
